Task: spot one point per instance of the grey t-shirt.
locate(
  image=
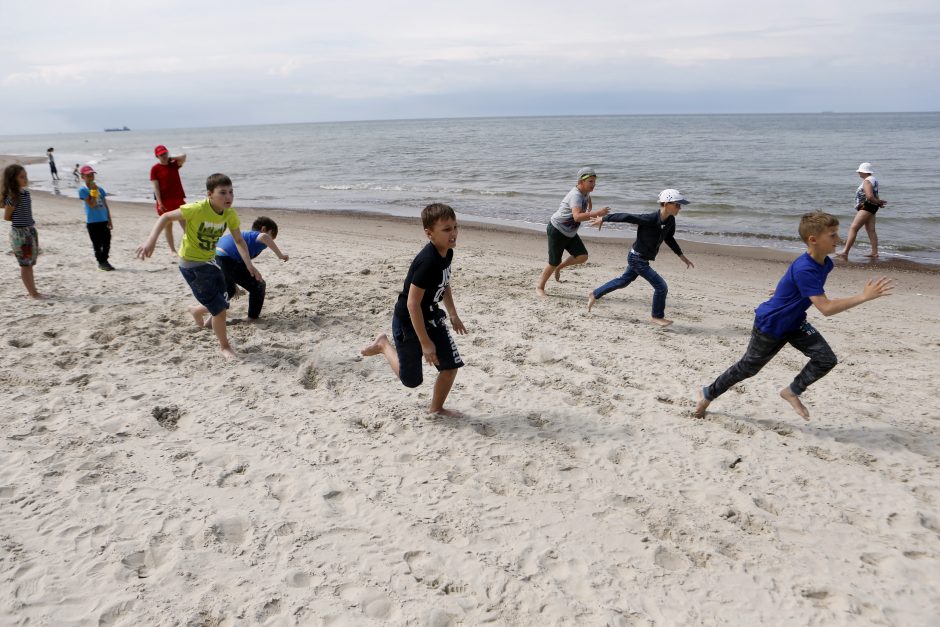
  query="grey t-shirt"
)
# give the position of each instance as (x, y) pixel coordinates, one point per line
(563, 219)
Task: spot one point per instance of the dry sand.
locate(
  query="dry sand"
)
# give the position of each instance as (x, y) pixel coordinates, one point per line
(145, 481)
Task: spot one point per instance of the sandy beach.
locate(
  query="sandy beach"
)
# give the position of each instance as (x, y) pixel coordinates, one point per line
(146, 481)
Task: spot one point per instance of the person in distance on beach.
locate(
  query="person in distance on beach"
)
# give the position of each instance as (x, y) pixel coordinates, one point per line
(167, 187)
(18, 209)
(97, 217)
(563, 228)
(782, 319)
(418, 324)
(652, 230)
(206, 221)
(262, 234)
(54, 170)
(867, 204)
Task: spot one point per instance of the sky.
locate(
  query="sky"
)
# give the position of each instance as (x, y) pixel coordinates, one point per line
(67, 67)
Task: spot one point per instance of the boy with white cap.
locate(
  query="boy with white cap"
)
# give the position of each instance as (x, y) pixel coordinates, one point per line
(867, 204)
(652, 230)
(563, 228)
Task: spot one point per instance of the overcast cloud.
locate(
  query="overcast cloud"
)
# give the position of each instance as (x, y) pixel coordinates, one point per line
(78, 67)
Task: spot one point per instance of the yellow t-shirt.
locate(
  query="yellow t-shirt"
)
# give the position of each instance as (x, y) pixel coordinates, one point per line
(204, 228)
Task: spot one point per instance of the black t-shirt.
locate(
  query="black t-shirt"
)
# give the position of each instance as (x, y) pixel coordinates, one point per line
(431, 272)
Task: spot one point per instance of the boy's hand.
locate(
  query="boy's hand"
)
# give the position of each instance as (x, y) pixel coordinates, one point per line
(598, 222)
(145, 249)
(602, 212)
(458, 325)
(160, 208)
(688, 264)
(285, 257)
(875, 288)
(110, 225)
(253, 271)
(430, 353)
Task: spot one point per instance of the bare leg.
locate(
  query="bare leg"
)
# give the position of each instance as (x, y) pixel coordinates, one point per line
(546, 273)
(570, 261)
(218, 325)
(872, 237)
(381, 345)
(445, 380)
(861, 217)
(701, 405)
(168, 231)
(199, 313)
(26, 274)
(794, 400)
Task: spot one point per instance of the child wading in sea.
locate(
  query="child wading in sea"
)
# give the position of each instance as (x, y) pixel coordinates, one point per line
(18, 209)
(418, 324)
(782, 319)
(206, 221)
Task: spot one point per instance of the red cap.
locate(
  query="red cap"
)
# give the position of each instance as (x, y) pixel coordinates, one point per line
(160, 150)
(87, 169)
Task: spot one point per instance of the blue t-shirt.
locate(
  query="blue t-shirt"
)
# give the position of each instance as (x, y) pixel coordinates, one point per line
(98, 212)
(785, 312)
(226, 245)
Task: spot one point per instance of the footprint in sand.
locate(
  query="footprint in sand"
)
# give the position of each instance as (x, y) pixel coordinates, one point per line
(669, 559)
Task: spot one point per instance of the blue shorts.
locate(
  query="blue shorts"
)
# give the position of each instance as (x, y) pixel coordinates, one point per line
(408, 347)
(208, 285)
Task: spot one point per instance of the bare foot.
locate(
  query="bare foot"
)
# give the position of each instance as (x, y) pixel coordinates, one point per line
(539, 291)
(376, 347)
(228, 353)
(251, 320)
(794, 400)
(872, 255)
(446, 413)
(701, 405)
(558, 275)
(199, 317)
(661, 322)
(591, 301)
(38, 296)
(843, 255)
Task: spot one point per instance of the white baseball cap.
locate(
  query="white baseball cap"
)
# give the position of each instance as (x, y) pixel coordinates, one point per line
(672, 195)
(865, 168)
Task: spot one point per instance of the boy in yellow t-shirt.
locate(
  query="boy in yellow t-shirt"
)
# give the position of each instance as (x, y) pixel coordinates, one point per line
(206, 221)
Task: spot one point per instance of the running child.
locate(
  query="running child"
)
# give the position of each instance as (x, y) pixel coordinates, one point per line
(418, 324)
(782, 319)
(97, 217)
(18, 209)
(262, 235)
(652, 230)
(206, 221)
(563, 227)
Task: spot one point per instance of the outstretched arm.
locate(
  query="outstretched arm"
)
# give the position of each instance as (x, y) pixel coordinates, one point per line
(584, 216)
(874, 288)
(146, 249)
(268, 241)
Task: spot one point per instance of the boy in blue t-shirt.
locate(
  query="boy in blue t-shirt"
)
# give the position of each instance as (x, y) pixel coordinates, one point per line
(262, 234)
(97, 217)
(782, 319)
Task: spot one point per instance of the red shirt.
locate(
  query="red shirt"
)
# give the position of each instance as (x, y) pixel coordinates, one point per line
(168, 177)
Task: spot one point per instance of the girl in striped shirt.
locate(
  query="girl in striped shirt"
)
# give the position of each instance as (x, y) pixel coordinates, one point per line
(18, 209)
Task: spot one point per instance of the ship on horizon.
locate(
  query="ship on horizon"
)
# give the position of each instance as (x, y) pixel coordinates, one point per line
(116, 130)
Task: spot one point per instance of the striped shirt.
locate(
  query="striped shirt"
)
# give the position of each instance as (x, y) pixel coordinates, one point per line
(23, 211)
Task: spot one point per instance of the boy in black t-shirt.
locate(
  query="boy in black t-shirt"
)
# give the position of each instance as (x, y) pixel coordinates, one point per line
(418, 326)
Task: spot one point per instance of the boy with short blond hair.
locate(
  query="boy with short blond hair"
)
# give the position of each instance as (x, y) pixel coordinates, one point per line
(206, 221)
(418, 324)
(782, 319)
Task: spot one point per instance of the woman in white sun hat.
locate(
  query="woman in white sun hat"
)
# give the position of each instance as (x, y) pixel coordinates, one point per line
(867, 205)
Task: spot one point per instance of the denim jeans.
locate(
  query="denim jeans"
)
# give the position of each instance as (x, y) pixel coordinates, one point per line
(637, 266)
(763, 347)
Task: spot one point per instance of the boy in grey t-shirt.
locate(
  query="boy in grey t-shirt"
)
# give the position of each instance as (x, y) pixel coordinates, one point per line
(563, 228)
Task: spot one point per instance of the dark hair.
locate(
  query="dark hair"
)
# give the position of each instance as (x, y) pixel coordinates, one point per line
(50, 149)
(266, 223)
(217, 180)
(436, 211)
(814, 223)
(11, 186)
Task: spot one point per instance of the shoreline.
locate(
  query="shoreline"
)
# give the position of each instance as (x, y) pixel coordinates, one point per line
(740, 251)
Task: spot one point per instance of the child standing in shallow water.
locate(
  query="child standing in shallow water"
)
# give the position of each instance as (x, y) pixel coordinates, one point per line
(418, 324)
(18, 209)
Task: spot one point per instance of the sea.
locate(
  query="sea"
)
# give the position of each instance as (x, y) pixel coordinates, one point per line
(748, 177)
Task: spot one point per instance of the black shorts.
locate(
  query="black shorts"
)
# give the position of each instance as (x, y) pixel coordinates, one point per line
(869, 207)
(558, 243)
(408, 347)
